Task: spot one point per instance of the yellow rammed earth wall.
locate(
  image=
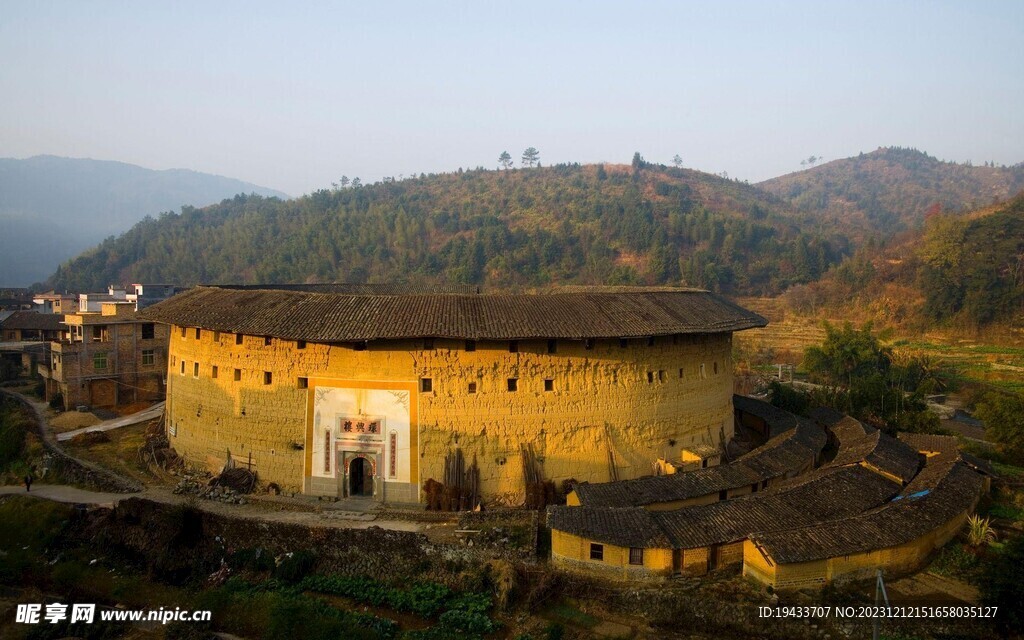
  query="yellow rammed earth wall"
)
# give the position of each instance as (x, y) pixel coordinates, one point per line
(896, 560)
(630, 401)
(573, 552)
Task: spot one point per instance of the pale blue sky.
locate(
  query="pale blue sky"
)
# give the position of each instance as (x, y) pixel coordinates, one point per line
(293, 95)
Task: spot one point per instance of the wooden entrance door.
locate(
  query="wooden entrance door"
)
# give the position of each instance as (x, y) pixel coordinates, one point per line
(360, 477)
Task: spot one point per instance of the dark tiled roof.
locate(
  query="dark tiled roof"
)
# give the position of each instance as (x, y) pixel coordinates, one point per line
(948, 448)
(777, 419)
(622, 527)
(34, 321)
(387, 289)
(823, 495)
(782, 455)
(836, 493)
(848, 430)
(882, 452)
(335, 317)
(941, 491)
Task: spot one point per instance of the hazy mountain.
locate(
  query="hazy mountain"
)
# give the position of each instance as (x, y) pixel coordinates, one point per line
(566, 223)
(890, 189)
(52, 208)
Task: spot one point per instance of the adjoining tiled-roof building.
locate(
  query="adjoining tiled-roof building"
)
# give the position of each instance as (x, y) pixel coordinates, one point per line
(879, 502)
(795, 448)
(345, 390)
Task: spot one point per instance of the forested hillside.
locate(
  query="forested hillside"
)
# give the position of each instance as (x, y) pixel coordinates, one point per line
(526, 227)
(52, 208)
(891, 189)
(960, 269)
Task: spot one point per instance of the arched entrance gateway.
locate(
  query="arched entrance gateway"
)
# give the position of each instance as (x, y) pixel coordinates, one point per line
(360, 478)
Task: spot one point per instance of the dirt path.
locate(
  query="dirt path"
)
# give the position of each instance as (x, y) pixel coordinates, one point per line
(334, 519)
(124, 421)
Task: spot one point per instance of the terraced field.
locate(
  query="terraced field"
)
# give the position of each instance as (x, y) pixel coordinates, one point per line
(995, 358)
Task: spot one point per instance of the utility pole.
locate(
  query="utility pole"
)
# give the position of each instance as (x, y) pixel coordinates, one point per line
(880, 594)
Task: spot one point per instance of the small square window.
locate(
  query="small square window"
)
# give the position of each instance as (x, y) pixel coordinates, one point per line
(723, 494)
(195, 370)
(148, 331)
(650, 377)
(99, 361)
(470, 345)
(216, 336)
(472, 387)
(182, 367)
(359, 346)
(428, 344)
(148, 357)
(426, 385)
(198, 333)
(623, 343)
(238, 338)
(303, 383)
(513, 346)
(513, 384)
(596, 551)
(268, 377)
(549, 385)
(552, 346)
(636, 556)
(300, 344)
(680, 373)
(661, 375)
(267, 341)
(214, 371)
(588, 344)
(714, 368)
(183, 332)
(650, 341)
(238, 375)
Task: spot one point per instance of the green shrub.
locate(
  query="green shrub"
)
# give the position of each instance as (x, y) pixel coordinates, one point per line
(954, 561)
(251, 559)
(467, 622)
(14, 425)
(1002, 587)
(293, 567)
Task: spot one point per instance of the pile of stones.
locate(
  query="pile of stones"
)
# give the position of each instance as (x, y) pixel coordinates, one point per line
(199, 487)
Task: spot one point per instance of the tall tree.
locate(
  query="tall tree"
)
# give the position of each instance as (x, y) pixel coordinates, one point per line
(531, 157)
(505, 160)
(677, 160)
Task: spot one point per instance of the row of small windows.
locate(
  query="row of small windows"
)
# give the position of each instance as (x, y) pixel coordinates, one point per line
(100, 361)
(636, 554)
(427, 384)
(268, 376)
(429, 343)
(512, 384)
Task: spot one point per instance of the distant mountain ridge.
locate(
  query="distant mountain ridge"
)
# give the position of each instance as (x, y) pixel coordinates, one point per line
(890, 189)
(52, 208)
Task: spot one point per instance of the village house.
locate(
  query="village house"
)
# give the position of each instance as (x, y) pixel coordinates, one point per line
(55, 302)
(30, 326)
(107, 358)
(342, 391)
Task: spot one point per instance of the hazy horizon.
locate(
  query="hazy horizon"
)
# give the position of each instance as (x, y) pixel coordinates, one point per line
(292, 98)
